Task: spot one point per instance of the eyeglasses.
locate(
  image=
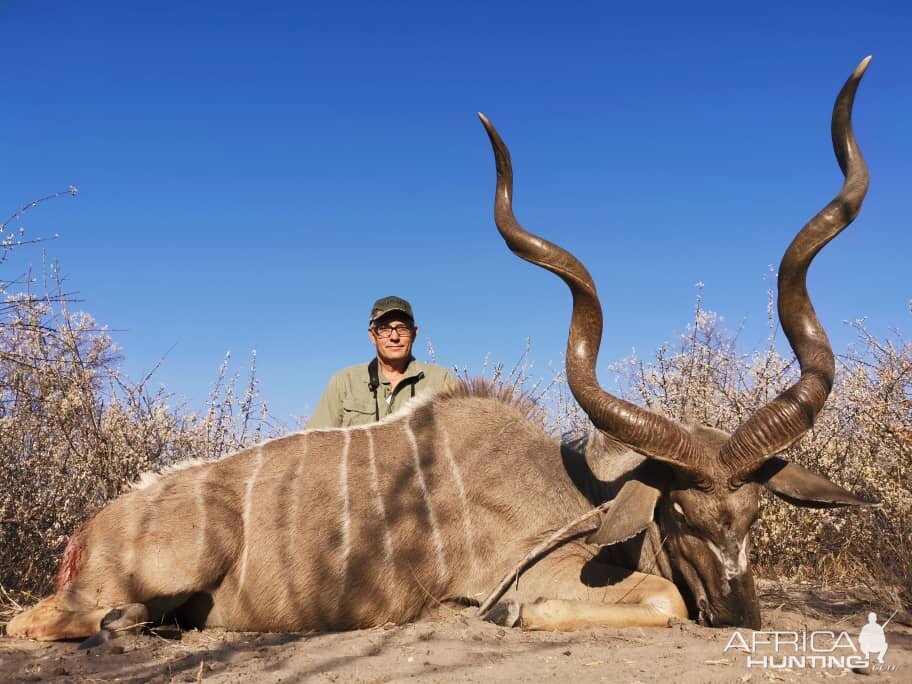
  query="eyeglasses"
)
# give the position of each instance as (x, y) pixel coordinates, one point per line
(384, 331)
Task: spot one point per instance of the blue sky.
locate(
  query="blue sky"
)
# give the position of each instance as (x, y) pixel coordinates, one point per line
(253, 176)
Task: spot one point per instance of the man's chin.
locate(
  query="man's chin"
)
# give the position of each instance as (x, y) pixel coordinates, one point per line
(395, 356)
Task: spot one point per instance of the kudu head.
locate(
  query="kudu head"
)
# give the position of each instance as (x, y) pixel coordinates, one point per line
(698, 484)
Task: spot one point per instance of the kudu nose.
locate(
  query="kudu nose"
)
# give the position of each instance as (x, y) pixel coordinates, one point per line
(740, 609)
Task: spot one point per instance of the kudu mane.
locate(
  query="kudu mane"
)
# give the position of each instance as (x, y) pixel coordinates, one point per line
(467, 388)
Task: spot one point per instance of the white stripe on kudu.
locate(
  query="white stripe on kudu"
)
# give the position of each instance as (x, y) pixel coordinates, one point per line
(466, 517)
(346, 510)
(378, 497)
(297, 493)
(202, 517)
(435, 529)
(248, 507)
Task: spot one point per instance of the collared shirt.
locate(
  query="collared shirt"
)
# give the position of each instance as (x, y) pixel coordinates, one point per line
(348, 399)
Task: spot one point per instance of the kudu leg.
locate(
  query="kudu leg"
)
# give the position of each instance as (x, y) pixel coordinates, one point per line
(571, 593)
(566, 616)
(46, 621)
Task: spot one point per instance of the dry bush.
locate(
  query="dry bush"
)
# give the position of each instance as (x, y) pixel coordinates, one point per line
(550, 397)
(75, 432)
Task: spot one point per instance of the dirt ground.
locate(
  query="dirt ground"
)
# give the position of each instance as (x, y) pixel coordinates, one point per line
(456, 646)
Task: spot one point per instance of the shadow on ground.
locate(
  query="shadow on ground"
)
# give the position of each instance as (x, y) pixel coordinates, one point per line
(456, 647)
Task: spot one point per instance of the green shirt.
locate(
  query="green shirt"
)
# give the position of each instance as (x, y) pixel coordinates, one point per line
(348, 399)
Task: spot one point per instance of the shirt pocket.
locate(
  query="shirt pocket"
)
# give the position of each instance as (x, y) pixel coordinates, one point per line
(358, 412)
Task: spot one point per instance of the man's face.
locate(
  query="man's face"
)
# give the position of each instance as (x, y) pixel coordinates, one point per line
(393, 335)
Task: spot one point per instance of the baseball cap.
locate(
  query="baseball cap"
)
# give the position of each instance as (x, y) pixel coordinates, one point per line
(386, 304)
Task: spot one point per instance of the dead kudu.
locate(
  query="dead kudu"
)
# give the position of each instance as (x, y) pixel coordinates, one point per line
(348, 528)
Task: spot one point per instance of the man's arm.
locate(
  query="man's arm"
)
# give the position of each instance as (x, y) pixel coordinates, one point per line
(328, 412)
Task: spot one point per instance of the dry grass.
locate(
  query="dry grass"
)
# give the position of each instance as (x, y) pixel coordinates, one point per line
(74, 431)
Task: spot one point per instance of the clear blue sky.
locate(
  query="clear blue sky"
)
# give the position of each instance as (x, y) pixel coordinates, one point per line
(254, 175)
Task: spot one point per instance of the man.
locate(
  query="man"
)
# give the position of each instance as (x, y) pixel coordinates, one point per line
(371, 391)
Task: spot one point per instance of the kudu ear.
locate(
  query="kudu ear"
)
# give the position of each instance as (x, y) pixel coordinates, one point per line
(801, 487)
(630, 512)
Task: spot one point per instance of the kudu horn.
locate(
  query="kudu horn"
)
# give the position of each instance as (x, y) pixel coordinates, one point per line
(786, 418)
(648, 433)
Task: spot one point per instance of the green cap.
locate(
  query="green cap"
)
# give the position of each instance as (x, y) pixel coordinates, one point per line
(386, 304)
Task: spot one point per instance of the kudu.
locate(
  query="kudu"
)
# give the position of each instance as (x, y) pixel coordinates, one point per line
(347, 528)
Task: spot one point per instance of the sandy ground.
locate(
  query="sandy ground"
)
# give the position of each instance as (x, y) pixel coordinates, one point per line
(456, 646)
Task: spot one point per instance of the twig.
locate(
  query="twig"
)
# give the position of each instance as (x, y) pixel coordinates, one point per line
(561, 535)
(71, 191)
(10, 600)
(440, 604)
